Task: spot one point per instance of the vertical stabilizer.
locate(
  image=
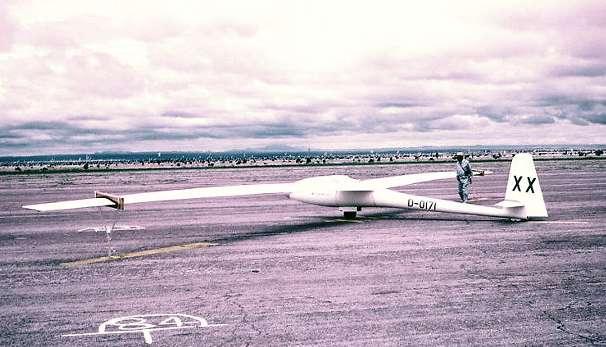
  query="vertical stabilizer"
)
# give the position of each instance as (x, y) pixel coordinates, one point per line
(523, 186)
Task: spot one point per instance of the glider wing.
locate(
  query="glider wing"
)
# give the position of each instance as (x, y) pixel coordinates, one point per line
(103, 199)
(71, 204)
(209, 192)
(397, 181)
(404, 180)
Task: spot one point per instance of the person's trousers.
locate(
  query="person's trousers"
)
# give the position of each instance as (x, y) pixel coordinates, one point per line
(464, 183)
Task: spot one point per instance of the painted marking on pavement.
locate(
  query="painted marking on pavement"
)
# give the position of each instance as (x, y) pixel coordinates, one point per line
(105, 229)
(139, 254)
(148, 323)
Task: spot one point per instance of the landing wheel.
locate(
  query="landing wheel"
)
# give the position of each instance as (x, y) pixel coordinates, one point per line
(349, 214)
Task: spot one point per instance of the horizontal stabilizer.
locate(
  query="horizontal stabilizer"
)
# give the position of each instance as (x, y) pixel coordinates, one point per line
(71, 204)
(481, 172)
(510, 204)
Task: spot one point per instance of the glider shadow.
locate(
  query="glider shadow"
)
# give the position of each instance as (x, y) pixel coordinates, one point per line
(323, 222)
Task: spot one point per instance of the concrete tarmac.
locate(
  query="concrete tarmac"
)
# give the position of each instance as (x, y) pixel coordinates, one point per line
(264, 270)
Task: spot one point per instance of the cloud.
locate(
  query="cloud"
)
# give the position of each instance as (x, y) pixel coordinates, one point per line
(236, 74)
(56, 133)
(535, 120)
(7, 28)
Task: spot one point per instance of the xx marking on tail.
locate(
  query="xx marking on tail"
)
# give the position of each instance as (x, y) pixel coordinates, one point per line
(518, 180)
(517, 185)
(530, 183)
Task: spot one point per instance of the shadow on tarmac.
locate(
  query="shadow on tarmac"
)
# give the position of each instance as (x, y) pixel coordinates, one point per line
(323, 222)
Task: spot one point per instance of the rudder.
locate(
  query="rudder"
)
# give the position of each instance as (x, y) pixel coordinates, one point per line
(523, 186)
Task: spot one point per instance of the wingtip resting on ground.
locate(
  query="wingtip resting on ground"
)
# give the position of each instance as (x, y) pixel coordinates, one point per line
(72, 204)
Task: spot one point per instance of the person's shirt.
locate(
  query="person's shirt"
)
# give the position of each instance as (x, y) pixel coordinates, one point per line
(463, 168)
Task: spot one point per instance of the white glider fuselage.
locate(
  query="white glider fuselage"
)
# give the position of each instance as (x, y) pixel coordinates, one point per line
(344, 191)
(332, 191)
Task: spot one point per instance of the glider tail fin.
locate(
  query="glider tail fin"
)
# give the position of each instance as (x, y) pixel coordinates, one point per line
(523, 186)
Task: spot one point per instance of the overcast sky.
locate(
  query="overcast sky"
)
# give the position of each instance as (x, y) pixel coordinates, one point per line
(84, 76)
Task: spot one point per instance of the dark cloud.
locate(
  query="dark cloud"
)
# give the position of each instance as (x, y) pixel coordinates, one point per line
(537, 120)
(494, 113)
(84, 117)
(38, 134)
(399, 104)
(598, 118)
(582, 104)
(7, 136)
(178, 114)
(583, 68)
(42, 125)
(579, 122)
(580, 111)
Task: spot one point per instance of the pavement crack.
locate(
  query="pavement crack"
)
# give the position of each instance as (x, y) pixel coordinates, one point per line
(561, 326)
(588, 336)
(245, 320)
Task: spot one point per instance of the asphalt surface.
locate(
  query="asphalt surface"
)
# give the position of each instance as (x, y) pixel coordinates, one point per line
(265, 270)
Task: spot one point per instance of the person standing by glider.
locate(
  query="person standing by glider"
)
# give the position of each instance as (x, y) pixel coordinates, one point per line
(464, 174)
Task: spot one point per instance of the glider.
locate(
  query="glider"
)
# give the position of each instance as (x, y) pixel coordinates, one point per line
(523, 197)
